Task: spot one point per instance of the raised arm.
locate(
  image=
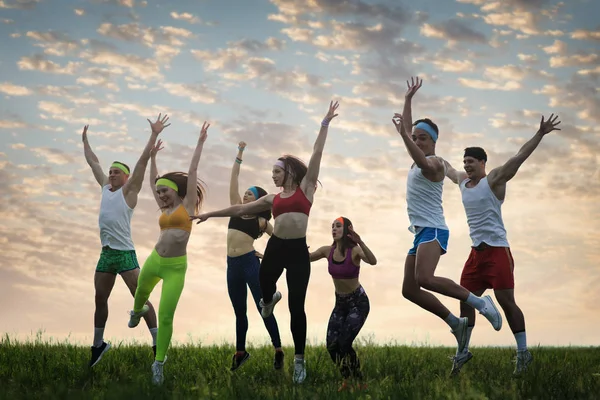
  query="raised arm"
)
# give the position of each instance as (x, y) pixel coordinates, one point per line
(321, 252)
(413, 87)
(499, 176)
(254, 207)
(132, 187)
(92, 160)
(234, 189)
(428, 165)
(362, 251)
(309, 183)
(454, 175)
(154, 171)
(191, 197)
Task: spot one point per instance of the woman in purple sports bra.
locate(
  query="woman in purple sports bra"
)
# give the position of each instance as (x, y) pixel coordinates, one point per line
(351, 301)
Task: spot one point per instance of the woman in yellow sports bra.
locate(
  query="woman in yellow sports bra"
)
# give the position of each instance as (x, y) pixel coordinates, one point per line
(179, 195)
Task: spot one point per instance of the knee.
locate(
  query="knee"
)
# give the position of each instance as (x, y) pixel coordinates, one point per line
(425, 281)
(101, 300)
(508, 305)
(165, 320)
(296, 308)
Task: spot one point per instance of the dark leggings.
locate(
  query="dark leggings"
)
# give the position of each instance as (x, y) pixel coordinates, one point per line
(291, 254)
(347, 319)
(242, 271)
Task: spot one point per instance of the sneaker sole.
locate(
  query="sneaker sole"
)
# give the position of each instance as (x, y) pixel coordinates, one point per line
(145, 309)
(271, 307)
(101, 354)
(497, 312)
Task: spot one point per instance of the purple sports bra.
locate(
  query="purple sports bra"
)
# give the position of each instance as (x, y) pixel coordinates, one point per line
(345, 269)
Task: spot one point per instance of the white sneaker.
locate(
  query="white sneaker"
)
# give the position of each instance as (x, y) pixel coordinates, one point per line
(459, 360)
(157, 372)
(491, 312)
(135, 317)
(524, 358)
(299, 370)
(461, 333)
(267, 309)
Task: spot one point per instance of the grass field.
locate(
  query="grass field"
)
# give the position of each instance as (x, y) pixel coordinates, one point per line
(39, 369)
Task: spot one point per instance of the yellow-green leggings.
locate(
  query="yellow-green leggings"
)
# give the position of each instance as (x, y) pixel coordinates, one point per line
(172, 271)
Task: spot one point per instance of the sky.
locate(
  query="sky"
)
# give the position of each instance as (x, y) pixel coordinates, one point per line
(264, 72)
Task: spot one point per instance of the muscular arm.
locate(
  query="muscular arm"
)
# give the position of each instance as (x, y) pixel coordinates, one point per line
(132, 188)
(499, 176)
(321, 252)
(153, 175)
(454, 175)
(93, 161)
(312, 174)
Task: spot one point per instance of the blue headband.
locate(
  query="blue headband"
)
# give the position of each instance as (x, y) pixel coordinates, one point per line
(427, 128)
(254, 191)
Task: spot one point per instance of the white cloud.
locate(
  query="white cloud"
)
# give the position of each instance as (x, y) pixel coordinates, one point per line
(14, 90)
(187, 17)
(79, 11)
(39, 63)
(486, 85)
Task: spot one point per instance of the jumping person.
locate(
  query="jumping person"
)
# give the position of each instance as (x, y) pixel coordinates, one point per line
(490, 263)
(351, 301)
(287, 248)
(243, 265)
(424, 200)
(119, 197)
(178, 195)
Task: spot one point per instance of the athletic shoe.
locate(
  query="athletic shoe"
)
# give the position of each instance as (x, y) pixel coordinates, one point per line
(491, 312)
(524, 358)
(278, 362)
(461, 333)
(135, 317)
(98, 352)
(157, 372)
(459, 360)
(299, 370)
(238, 360)
(267, 309)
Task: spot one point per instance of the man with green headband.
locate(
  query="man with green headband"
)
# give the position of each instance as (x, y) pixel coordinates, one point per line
(119, 197)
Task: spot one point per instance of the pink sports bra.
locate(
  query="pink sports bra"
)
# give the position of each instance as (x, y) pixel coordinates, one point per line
(345, 269)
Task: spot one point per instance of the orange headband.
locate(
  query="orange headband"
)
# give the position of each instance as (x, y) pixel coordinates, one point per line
(341, 220)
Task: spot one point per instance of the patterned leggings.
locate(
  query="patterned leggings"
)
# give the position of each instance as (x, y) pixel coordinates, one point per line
(347, 319)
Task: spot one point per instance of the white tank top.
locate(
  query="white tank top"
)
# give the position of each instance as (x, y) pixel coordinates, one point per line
(484, 214)
(424, 201)
(115, 220)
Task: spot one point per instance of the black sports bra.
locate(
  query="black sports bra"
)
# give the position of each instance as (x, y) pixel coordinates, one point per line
(249, 226)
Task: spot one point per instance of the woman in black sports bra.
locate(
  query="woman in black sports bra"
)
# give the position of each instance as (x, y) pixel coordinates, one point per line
(243, 265)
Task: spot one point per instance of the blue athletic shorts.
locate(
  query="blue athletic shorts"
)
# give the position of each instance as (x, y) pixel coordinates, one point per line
(426, 235)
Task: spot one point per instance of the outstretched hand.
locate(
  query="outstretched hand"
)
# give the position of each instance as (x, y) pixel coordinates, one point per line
(549, 125)
(159, 124)
(331, 113)
(84, 133)
(204, 132)
(157, 147)
(399, 123)
(352, 235)
(413, 87)
(200, 218)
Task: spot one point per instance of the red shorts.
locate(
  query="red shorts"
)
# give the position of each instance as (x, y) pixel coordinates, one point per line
(490, 268)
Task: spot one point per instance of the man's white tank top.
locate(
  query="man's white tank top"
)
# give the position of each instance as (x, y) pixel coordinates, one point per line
(484, 214)
(424, 201)
(115, 220)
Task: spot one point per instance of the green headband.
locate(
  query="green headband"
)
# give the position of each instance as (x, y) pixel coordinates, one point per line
(167, 182)
(121, 167)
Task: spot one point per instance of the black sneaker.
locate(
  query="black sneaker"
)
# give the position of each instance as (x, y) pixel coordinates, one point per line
(278, 363)
(237, 361)
(154, 350)
(98, 352)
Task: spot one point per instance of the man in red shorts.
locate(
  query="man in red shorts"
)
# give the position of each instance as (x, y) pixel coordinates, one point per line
(490, 264)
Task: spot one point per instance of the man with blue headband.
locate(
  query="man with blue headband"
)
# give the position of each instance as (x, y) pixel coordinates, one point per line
(426, 215)
(120, 191)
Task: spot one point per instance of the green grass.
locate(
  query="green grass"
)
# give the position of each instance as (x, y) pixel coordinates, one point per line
(38, 369)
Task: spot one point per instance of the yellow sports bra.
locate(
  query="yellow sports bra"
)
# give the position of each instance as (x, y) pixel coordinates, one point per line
(178, 219)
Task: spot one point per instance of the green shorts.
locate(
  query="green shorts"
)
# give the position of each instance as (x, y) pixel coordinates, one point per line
(116, 261)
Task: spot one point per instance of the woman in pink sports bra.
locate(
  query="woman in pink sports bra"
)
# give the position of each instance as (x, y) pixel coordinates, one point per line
(286, 248)
(351, 301)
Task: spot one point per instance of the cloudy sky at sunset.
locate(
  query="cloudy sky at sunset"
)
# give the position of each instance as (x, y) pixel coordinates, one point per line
(264, 72)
